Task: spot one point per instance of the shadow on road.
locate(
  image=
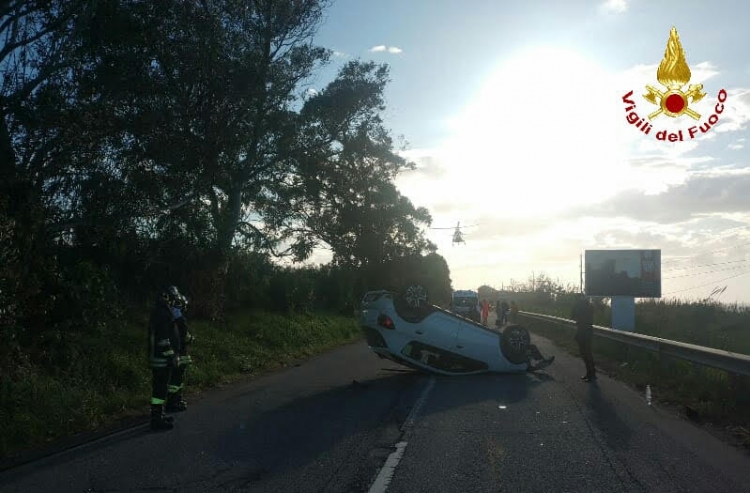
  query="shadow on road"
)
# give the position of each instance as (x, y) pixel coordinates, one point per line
(312, 428)
(605, 416)
(354, 424)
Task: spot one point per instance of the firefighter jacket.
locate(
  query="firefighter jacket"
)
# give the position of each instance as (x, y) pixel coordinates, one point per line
(163, 338)
(186, 338)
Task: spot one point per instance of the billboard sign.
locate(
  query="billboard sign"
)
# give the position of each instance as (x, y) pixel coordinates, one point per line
(633, 273)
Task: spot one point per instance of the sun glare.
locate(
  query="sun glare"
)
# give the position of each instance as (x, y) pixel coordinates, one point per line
(541, 132)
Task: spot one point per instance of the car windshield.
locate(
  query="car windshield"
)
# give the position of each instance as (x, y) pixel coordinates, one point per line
(465, 302)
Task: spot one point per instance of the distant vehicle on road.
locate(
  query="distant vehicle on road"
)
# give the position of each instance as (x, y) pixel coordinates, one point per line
(409, 330)
(464, 303)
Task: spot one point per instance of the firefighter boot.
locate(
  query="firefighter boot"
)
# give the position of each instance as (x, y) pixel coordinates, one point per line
(175, 403)
(158, 420)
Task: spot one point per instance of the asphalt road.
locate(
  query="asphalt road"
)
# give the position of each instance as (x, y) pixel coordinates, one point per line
(311, 429)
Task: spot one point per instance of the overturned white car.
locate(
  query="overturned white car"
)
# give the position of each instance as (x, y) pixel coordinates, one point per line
(409, 330)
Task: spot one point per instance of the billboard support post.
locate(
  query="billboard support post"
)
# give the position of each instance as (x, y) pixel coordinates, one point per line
(623, 313)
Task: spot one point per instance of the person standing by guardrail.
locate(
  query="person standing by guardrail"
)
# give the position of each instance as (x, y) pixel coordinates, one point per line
(583, 314)
(513, 312)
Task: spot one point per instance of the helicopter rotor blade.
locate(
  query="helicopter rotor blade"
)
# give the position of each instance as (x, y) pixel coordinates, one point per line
(457, 227)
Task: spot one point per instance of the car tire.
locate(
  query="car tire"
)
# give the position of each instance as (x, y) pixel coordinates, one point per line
(415, 295)
(514, 344)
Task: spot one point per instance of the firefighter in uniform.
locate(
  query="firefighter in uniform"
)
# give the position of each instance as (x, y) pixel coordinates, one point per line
(175, 401)
(164, 344)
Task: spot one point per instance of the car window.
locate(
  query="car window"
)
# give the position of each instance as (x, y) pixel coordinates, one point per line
(441, 359)
(370, 297)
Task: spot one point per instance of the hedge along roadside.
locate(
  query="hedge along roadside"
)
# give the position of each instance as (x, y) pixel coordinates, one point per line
(107, 378)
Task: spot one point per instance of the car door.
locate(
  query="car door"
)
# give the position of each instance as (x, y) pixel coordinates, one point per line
(432, 339)
(439, 330)
(478, 344)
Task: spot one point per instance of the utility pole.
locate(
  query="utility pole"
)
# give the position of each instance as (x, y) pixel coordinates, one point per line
(580, 265)
(533, 282)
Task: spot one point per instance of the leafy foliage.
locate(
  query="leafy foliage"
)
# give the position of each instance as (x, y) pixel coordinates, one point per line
(152, 143)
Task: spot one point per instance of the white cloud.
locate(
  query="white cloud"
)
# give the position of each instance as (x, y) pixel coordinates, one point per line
(715, 191)
(740, 144)
(615, 6)
(548, 176)
(737, 111)
(383, 48)
(583, 151)
(427, 166)
(340, 54)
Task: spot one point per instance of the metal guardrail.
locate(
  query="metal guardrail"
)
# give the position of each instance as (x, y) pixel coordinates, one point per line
(715, 358)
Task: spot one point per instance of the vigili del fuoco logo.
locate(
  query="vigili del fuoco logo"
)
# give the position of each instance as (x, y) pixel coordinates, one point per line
(672, 99)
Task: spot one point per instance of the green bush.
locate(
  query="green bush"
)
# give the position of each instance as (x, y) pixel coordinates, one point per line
(105, 376)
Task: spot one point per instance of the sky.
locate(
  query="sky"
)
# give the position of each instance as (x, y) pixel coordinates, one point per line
(514, 116)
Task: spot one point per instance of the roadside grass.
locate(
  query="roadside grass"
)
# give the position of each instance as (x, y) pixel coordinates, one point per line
(99, 380)
(706, 323)
(705, 395)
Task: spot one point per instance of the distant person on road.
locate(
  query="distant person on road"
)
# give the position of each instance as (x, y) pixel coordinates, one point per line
(505, 308)
(583, 314)
(485, 311)
(513, 312)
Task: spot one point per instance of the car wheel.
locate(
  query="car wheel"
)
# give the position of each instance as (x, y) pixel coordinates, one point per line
(515, 343)
(415, 296)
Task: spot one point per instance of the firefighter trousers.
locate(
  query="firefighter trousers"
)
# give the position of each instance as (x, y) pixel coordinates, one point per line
(160, 383)
(176, 381)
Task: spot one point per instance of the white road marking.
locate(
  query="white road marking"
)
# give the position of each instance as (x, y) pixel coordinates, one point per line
(409, 423)
(389, 468)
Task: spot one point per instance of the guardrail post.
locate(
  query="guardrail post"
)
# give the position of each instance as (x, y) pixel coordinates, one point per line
(739, 386)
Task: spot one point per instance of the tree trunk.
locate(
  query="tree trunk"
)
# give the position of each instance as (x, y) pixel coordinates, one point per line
(219, 269)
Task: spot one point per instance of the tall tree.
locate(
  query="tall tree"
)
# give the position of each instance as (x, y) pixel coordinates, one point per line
(38, 37)
(199, 97)
(232, 70)
(343, 192)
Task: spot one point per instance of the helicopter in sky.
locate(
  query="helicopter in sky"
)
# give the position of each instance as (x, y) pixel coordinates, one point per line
(458, 235)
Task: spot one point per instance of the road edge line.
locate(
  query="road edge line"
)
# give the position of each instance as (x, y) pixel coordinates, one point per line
(386, 473)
